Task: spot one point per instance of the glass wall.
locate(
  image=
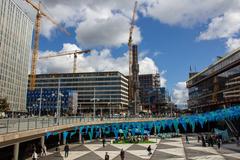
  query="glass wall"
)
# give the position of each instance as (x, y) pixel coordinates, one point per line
(215, 89)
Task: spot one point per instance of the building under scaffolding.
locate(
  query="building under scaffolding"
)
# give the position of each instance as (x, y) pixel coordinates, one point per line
(134, 99)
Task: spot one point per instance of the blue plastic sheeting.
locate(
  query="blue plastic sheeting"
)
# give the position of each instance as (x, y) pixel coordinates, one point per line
(65, 135)
(222, 133)
(160, 125)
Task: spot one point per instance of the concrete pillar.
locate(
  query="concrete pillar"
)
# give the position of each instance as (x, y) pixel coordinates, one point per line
(16, 151)
(100, 133)
(59, 138)
(64, 141)
(42, 141)
(155, 130)
(80, 138)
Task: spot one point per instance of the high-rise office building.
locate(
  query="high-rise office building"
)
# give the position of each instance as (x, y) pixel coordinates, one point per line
(109, 89)
(15, 47)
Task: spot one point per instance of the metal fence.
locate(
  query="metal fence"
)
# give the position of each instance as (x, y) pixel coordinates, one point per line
(25, 124)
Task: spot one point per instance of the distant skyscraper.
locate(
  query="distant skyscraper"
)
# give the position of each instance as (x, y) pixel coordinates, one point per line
(15, 47)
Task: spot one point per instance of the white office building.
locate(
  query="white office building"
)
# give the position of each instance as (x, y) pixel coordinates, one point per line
(15, 47)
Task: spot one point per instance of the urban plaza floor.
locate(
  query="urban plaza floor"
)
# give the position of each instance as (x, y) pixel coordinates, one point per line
(164, 149)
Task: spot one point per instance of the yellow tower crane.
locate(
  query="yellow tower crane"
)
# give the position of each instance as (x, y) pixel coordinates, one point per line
(130, 78)
(75, 53)
(39, 15)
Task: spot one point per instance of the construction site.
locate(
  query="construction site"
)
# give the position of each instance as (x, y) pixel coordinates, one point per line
(117, 94)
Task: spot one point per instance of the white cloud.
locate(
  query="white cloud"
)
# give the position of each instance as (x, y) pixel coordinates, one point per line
(224, 26)
(184, 12)
(112, 31)
(163, 80)
(96, 22)
(180, 94)
(96, 61)
(233, 43)
(106, 22)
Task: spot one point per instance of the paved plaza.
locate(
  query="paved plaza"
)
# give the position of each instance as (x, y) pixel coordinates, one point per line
(167, 149)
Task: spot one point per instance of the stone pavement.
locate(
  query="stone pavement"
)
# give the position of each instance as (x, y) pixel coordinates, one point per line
(167, 149)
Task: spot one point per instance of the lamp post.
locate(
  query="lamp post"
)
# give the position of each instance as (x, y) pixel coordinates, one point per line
(110, 108)
(40, 103)
(59, 95)
(80, 107)
(94, 103)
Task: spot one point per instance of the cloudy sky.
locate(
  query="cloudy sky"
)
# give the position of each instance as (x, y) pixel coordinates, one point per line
(172, 35)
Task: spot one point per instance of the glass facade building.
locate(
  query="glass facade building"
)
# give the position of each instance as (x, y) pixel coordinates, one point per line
(110, 90)
(15, 47)
(216, 86)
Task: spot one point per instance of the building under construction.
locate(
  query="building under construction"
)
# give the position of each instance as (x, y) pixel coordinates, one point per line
(134, 99)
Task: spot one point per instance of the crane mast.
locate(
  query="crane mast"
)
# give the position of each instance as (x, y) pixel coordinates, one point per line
(39, 15)
(130, 78)
(35, 50)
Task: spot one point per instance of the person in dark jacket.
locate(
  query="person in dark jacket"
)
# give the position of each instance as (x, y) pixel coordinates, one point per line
(203, 141)
(122, 154)
(219, 143)
(149, 149)
(104, 141)
(106, 156)
(187, 141)
(66, 149)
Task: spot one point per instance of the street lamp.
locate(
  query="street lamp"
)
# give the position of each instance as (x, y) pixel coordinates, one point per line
(40, 103)
(110, 108)
(59, 95)
(94, 99)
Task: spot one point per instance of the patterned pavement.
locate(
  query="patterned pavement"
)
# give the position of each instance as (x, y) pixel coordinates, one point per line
(167, 149)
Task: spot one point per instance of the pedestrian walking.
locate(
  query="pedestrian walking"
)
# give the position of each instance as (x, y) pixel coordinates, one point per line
(198, 140)
(34, 155)
(203, 141)
(187, 139)
(66, 149)
(104, 141)
(219, 143)
(238, 141)
(122, 154)
(149, 149)
(211, 141)
(107, 156)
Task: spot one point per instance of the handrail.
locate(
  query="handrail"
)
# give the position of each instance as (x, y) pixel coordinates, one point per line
(25, 124)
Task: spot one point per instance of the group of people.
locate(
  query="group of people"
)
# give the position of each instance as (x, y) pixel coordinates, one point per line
(210, 140)
(122, 155)
(43, 152)
(132, 139)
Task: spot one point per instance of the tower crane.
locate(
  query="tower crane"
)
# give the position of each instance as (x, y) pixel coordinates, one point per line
(40, 14)
(75, 53)
(130, 78)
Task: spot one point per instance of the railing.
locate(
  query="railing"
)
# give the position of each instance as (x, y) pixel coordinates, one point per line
(25, 124)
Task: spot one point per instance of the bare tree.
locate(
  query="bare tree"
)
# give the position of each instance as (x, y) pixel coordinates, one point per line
(4, 105)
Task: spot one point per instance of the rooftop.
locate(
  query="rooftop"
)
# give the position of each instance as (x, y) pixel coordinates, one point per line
(225, 56)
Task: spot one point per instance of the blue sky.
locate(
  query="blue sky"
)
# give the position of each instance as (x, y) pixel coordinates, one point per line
(171, 35)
